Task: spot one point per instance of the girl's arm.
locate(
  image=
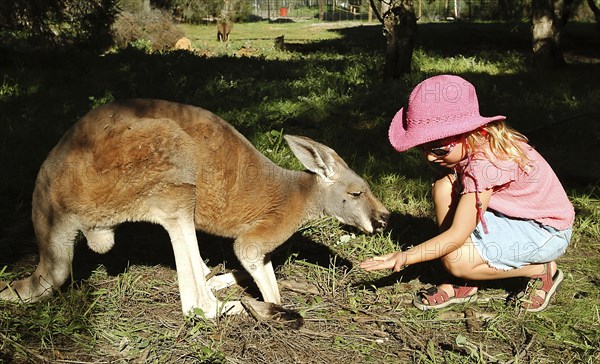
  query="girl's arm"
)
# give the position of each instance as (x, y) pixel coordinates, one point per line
(463, 224)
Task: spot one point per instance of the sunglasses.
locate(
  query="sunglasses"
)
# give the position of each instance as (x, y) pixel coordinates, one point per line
(441, 151)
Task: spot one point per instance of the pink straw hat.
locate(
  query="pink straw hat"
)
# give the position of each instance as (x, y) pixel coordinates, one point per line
(439, 107)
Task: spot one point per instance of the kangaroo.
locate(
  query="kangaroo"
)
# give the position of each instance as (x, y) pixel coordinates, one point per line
(223, 30)
(186, 169)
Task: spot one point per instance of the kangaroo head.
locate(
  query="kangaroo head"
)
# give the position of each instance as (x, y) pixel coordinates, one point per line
(342, 193)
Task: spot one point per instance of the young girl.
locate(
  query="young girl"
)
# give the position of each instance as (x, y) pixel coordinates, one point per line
(501, 210)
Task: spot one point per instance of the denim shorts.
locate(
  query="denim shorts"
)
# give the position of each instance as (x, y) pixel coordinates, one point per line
(513, 243)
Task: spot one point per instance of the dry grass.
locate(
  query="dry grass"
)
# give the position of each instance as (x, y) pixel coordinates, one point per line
(154, 27)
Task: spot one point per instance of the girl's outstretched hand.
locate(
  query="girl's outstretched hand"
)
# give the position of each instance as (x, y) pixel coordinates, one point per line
(395, 261)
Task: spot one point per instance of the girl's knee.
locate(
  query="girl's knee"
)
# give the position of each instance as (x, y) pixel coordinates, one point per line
(462, 262)
(457, 263)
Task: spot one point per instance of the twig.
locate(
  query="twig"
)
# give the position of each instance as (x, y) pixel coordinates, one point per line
(302, 288)
(521, 354)
(383, 319)
(24, 349)
(79, 362)
(214, 271)
(462, 342)
(313, 334)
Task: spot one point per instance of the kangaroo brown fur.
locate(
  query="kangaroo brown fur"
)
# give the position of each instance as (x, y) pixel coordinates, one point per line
(186, 169)
(223, 30)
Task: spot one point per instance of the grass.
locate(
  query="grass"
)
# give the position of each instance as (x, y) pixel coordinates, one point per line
(124, 306)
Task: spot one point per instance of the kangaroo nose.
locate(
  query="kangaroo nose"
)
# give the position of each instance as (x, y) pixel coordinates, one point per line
(381, 222)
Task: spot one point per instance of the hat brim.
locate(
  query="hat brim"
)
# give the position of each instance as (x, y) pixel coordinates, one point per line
(403, 138)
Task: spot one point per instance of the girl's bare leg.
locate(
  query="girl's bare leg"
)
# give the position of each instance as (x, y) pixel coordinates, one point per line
(466, 263)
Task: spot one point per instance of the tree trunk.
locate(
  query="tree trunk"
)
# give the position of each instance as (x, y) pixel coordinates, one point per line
(546, 30)
(596, 11)
(321, 9)
(400, 27)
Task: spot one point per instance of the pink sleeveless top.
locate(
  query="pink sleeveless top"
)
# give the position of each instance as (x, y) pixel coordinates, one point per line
(534, 195)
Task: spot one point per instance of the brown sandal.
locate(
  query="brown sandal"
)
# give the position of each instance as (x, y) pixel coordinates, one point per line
(531, 301)
(437, 298)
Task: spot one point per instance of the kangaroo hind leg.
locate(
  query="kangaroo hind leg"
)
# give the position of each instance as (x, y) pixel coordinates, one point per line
(56, 255)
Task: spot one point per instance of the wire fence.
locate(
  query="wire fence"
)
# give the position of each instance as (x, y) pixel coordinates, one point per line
(427, 10)
(357, 10)
(332, 9)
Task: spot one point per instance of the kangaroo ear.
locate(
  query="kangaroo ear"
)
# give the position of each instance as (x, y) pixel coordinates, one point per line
(316, 157)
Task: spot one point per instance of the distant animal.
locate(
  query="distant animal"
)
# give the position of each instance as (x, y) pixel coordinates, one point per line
(223, 30)
(183, 44)
(186, 169)
(280, 43)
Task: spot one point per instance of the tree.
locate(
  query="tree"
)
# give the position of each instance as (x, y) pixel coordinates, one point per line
(596, 12)
(196, 12)
(546, 18)
(60, 22)
(400, 28)
(321, 9)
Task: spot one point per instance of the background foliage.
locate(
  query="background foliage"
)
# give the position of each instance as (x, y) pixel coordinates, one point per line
(151, 28)
(58, 22)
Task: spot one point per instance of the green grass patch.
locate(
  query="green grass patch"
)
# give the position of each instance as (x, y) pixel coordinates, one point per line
(124, 306)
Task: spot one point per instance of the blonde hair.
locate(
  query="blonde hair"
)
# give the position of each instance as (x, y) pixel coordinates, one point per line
(503, 143)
